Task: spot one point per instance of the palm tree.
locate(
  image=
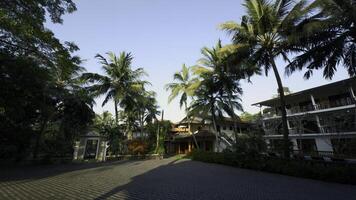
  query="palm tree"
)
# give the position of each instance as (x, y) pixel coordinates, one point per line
(146, 108)
(262, 37)
(119, 79)
(215, 64)
(327, 38)
(213, 101)
(185, 86)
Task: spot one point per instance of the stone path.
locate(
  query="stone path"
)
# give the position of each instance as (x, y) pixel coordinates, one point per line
(161, 179)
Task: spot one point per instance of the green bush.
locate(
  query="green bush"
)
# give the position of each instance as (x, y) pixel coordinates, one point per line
(333, 172)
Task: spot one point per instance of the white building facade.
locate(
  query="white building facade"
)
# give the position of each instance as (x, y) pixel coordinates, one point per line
(321, 120)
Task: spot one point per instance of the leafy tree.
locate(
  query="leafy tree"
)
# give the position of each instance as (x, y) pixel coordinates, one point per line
(326, 38)
(262, 36)
(22, 30)
(184, 86)
(106, 125)
(43, 106)
(22, 95)
(38, 112)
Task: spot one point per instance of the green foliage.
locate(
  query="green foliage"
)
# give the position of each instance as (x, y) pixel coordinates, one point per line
(163, 128)
(250, 144)
(121, 83)
(40, 116)
(184, 85)
(326, 38)
(219, 91)
(335, 172)
(263, 35)
(23, 32)
(105, 124)
(248, 117)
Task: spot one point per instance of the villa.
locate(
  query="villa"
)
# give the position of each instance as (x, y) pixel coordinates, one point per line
(321, 120)
(180, 140)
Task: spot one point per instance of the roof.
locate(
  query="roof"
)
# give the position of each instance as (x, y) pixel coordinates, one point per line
(322, 88)
(199, 120)
(92, 134)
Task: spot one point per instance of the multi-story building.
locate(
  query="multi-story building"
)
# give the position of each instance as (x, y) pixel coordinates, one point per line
(320, 120)
(180, 140)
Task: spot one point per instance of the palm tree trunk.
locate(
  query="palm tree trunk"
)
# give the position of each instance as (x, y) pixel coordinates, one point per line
(158, 133)
(141, 125)
(235, 122)
(216, 130)
(116, 113)
(286, 146)
(188, 119)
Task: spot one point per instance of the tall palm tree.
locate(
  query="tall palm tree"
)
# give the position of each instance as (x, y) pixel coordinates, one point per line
(212, 101)
(214, 63)
(262, 36)
(185, 86)
(327, 38)
(119, 79)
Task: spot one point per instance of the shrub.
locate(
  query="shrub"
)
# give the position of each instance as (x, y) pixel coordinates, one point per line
(334, 172)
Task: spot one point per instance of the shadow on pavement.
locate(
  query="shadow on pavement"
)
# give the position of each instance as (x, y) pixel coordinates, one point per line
(185, 179)
(17, 173)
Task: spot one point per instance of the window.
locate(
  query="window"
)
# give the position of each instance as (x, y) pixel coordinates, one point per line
(231, 128)
(224, 127)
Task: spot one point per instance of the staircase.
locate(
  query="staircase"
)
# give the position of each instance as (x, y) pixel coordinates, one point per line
(226, 140)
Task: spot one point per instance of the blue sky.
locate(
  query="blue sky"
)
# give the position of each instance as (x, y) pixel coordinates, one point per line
(162, 35)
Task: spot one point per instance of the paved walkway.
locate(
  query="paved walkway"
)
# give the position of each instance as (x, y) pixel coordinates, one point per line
(161, 179)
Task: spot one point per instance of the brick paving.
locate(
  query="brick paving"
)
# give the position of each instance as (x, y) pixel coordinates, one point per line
(160, 179)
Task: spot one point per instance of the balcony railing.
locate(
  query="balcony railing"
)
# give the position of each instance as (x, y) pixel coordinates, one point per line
(319, 106)
(332, 104)
(344, 128)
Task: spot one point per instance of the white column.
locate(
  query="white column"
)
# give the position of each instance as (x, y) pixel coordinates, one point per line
(313, 101)
(97, 149)
(323, 144)
(76, 149)
(352, 93)
(288, 124)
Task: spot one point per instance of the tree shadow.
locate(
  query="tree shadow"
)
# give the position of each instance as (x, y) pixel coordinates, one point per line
(186, 179)
(33, 172)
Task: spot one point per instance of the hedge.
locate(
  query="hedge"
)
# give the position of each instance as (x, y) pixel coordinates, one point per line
(320, 170)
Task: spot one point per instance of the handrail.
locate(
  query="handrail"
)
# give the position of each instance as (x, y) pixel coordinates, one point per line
(319, 106)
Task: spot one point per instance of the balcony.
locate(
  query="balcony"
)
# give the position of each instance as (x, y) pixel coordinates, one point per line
(333, 129)
(333, 104)
(308, 108)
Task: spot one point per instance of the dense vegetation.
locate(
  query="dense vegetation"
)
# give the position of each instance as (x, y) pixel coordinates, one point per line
(46, 97)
